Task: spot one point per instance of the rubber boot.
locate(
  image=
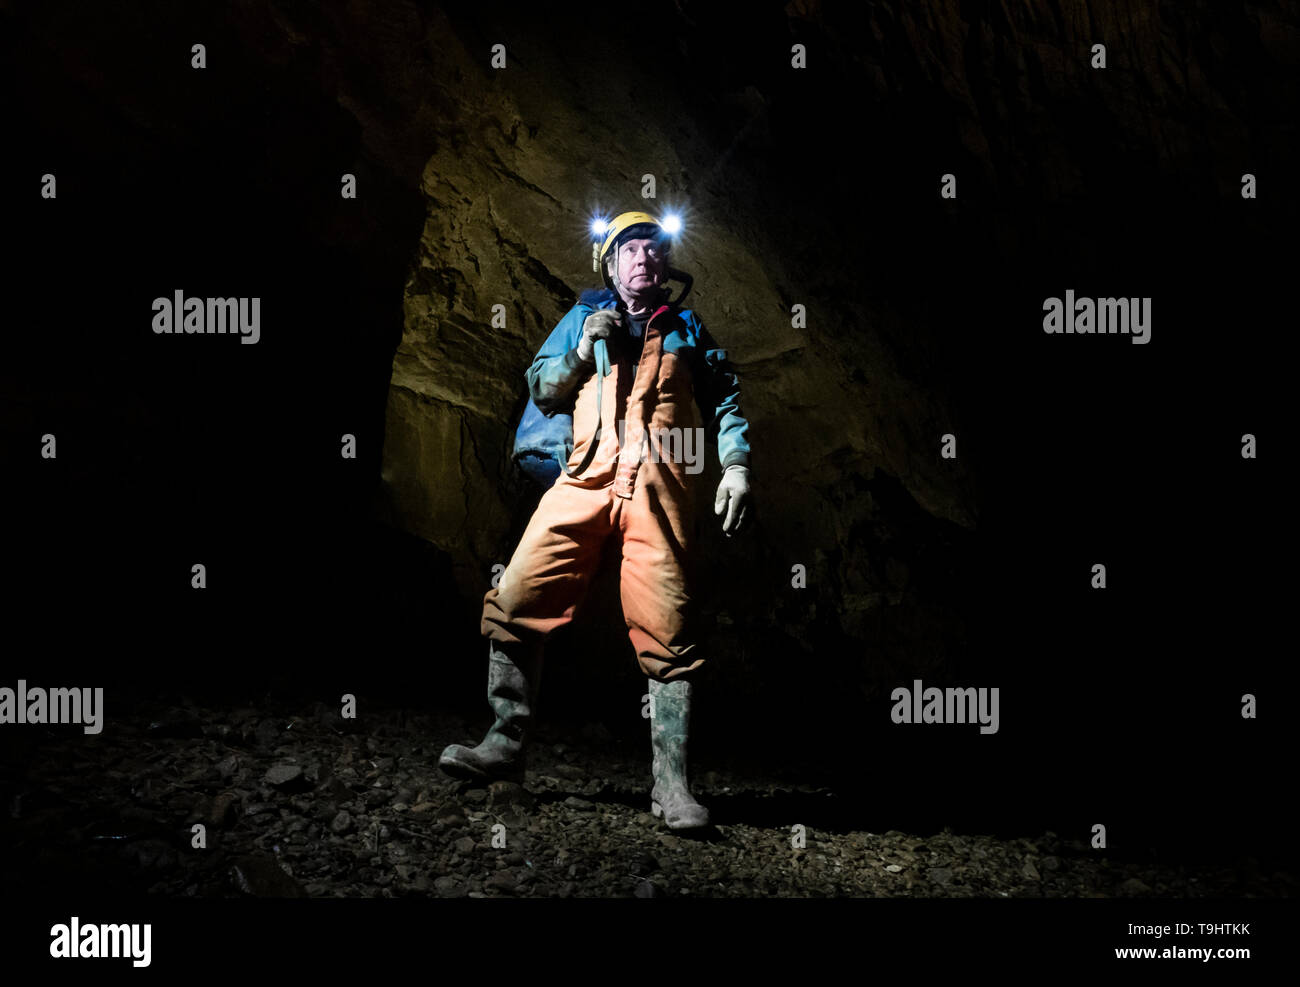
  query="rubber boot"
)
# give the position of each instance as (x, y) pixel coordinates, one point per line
(514, 674)
(669, 731)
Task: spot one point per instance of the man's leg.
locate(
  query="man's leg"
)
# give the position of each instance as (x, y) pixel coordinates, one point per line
(653, 579)
(656, 603)
(539, 590)
(550, 571)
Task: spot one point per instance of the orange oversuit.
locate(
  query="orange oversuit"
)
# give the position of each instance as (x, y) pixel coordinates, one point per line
(640, 489)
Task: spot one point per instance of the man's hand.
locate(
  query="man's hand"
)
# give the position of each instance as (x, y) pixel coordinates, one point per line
(598, 325)
(733, 497)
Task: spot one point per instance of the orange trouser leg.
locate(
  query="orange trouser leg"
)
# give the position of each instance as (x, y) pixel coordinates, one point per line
(655, 526)
(551, 568)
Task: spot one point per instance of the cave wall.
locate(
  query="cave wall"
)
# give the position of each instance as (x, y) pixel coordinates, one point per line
(532, 151)
(816, 187)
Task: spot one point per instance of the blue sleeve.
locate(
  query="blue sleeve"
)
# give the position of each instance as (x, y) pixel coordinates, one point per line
(717, 391)
(556, 370)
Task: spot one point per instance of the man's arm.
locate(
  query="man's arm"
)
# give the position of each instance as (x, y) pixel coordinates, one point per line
(717, 391)
(557, 369)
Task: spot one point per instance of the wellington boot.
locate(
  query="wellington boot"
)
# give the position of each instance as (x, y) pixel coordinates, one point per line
(514, 675)
(669, 732)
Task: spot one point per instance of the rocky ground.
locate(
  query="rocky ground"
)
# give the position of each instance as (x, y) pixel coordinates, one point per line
(301, 803)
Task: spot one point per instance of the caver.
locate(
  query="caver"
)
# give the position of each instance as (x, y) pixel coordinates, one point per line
(631, 355)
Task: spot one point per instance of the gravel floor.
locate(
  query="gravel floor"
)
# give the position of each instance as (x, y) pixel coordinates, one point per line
(307, 805)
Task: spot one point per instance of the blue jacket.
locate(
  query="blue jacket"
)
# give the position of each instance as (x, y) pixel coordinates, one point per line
(557, 371)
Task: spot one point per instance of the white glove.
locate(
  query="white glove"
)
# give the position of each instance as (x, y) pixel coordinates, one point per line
(598, 325)
(733, 497)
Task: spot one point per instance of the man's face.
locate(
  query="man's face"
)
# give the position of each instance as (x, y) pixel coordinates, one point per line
(641, 265)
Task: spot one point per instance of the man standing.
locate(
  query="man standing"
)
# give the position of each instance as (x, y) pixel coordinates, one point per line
(663, 363)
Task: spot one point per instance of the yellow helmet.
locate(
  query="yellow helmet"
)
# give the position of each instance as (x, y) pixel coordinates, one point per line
(621, 224)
